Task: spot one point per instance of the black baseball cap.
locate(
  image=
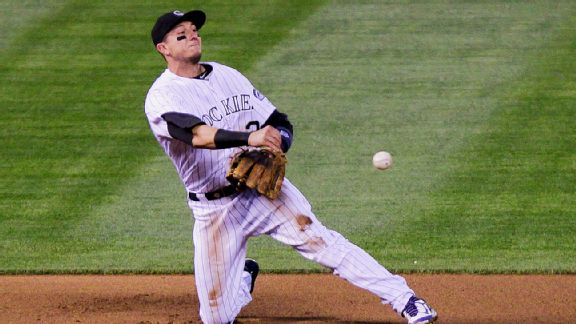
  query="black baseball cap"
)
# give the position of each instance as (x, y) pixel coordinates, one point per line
(167, 21)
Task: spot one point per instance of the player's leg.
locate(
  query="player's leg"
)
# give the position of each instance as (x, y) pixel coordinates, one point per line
(219, 257)
(301, 229)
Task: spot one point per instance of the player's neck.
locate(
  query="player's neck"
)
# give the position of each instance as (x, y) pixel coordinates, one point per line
(188, 70)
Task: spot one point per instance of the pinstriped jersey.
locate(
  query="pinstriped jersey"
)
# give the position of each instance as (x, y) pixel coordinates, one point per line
(223, 99)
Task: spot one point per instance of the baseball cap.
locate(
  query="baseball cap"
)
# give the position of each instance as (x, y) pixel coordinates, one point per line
(167, 21)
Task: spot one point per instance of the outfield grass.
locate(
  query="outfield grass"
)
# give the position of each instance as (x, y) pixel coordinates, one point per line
(475, 100)
(74, 134)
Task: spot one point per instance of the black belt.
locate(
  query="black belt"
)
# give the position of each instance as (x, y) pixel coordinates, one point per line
(213, 195)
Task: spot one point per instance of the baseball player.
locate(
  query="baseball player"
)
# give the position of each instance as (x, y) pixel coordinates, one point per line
(202, 114)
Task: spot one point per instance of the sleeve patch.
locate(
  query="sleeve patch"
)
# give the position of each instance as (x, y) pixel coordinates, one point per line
(258, 95)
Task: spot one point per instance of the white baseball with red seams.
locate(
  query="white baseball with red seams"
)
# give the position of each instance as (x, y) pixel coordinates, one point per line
(382, 160)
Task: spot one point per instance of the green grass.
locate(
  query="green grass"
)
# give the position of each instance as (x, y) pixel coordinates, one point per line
(74, 135)
(19, 15)
(475, 100)
(513, 207)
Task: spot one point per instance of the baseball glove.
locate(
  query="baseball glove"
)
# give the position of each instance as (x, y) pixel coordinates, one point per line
(259, 169)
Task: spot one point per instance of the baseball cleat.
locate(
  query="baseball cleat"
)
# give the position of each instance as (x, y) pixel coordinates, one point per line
(418, 312)
(252, 267)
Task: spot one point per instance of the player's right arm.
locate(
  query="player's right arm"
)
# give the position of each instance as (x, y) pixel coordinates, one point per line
(204, 136)
(193, 131)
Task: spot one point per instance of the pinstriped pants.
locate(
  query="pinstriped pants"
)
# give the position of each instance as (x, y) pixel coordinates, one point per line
(223, 226)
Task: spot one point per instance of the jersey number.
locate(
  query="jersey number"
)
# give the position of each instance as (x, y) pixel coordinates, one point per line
(254, 123)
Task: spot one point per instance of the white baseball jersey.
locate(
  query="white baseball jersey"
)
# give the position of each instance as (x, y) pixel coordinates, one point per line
(226, 99)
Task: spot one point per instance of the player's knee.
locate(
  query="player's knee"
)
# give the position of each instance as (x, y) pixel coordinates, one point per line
(303, 222)
(215, 314)
(312, 236)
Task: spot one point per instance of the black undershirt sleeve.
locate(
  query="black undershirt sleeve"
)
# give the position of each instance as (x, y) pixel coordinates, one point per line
(180, 125)
(280, 121)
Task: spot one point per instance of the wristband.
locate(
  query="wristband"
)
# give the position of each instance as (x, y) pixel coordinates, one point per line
(226, 139)
(286, 138)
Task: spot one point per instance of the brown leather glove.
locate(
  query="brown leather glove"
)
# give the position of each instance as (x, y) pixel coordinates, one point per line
(258, 169)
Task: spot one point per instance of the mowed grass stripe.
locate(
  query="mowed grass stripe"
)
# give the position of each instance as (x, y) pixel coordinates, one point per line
(421, 80)
(71, 128)
(74, 97)
(510, 199)
(410, 66)
(19, 15)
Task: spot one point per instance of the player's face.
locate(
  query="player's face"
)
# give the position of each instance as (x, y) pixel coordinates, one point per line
(183, 43)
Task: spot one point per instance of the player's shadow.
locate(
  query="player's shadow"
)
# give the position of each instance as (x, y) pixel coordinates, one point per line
(300, 320)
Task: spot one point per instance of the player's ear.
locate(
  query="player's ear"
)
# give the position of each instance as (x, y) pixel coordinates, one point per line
(162, 49)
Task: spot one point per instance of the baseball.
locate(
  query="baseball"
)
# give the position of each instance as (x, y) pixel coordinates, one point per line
(382, 160)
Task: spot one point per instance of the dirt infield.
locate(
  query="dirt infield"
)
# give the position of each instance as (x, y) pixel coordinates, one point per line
(316, 298)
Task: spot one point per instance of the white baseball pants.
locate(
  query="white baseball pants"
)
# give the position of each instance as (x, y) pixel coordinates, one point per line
(223, 226)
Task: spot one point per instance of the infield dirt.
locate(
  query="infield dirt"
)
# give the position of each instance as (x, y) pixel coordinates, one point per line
(313, 298)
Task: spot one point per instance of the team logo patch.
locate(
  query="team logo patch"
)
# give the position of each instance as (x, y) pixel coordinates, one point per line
(178, 13)
(258, 95)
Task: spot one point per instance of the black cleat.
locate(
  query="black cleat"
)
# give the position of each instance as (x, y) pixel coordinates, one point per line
(252, 267)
